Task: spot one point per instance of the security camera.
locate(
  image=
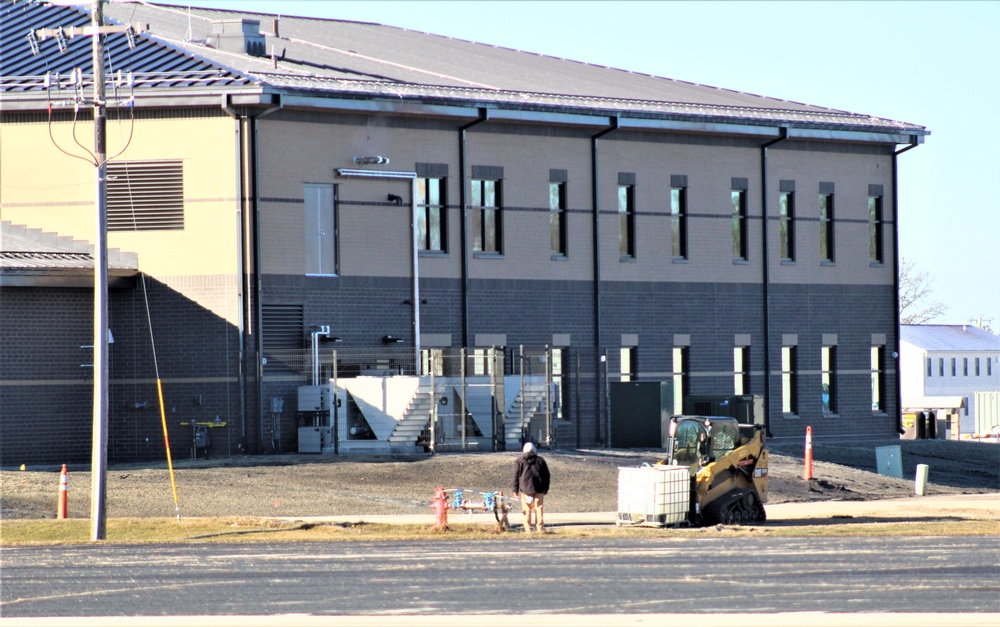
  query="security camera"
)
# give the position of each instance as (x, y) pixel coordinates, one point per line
(394, 199)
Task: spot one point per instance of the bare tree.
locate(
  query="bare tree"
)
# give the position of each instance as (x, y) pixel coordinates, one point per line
(914, 293)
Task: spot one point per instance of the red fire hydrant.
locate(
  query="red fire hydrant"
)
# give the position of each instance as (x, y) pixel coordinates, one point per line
(440, 507)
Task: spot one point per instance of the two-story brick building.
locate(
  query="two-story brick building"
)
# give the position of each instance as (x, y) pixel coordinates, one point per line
(415, 192)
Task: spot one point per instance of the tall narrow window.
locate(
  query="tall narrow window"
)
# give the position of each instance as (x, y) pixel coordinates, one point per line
(484, 216)
(878, 384)
(558, 384)
(681, 371)
(739, 201)
(930, 367)
(826, 223)
(789, 374)
(965, 366)
(741, 370)
(678, 217)
(940, 366)
(557, 217)
(954, 368)
(321, 230)
(626, 221)
(977, 366)
(432, 214)
(828, 365)
(786, 221)
(629, 364)
(989, 366)
(875, 248)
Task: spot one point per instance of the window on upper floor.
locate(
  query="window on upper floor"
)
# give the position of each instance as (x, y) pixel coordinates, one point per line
(320, 229)
(145, 195)
(557, 217)
(432, 215)
(965, 366)
(678, 217)
(826, 224)
(738, 197)
(954, 367)
(485, 218)
(876, 252)
(930, 367)
(786, 221)
(977, 367)
(626, 221)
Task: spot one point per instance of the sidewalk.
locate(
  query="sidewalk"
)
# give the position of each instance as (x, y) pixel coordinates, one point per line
(964, 506)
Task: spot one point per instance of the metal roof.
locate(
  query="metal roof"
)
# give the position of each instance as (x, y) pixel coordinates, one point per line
(949, 337)
(26, 250)
(336, 59)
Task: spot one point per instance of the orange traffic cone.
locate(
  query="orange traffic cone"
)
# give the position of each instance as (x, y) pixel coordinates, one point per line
(63, 493)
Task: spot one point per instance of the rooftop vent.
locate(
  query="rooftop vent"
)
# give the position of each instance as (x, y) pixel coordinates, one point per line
(239, 36)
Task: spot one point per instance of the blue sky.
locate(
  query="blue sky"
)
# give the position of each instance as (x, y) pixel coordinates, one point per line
(931, 63)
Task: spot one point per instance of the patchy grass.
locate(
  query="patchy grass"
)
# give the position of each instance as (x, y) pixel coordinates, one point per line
(230, 530)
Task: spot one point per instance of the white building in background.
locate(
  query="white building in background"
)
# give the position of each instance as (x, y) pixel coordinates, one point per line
(943, 360)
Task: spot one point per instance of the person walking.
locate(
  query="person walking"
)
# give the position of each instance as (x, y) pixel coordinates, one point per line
(531, 484)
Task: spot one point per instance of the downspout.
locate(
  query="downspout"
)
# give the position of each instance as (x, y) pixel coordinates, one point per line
(484, 115)
(250, 263)
(765, 263)
(598, 340)
(895, 277)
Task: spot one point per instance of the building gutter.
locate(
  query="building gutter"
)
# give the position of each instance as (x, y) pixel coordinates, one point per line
(913, 143)
(766, 277)
(463, 194)
(595, 201)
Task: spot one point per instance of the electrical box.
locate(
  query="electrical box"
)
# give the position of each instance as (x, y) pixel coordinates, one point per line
(310, 439)
(637, 409)
(314, 398)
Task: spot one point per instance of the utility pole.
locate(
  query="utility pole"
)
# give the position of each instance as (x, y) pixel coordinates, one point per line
(99, 450)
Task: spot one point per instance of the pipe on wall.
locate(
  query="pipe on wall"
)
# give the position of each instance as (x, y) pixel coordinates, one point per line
(895, 276)
(463, 194)
(595, 200)
(765, 264)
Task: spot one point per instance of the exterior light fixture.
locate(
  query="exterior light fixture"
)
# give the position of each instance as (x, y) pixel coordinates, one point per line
(391, 339)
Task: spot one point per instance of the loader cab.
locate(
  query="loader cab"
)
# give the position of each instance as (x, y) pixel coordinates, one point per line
(698, 440)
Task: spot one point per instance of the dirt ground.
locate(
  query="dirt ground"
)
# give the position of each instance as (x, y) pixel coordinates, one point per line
(583, 480)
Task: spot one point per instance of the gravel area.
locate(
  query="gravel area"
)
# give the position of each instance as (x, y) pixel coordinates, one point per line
(583, 480)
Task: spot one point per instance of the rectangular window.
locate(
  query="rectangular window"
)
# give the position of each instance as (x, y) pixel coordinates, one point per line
(485, 220)
(432, 215)
(739, 200)
(954, 367)
(321, 230)
(741, 370)
(484, 359)
(789, 374)
(930, 367)
(559, 391)
(828, 365)
(678, 219)
(977, 366)
(826, 227)
(940, 366)
(786, 225)
(989, 366)
(626, 221)
(680, 372)
(145, 195)
(431, 359)
(965, 366)
(878, 391)
(876, 253)
(557, 218)
(629, 364)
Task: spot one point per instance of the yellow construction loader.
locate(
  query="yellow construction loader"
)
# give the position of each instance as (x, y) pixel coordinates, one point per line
(728, 467)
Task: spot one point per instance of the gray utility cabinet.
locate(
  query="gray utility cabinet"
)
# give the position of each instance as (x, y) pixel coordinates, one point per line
(637, 410)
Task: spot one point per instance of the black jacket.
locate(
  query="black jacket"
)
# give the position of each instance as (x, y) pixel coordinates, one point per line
(531, 475)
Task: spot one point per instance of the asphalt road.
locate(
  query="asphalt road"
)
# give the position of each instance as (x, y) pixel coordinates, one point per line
(633, 576)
